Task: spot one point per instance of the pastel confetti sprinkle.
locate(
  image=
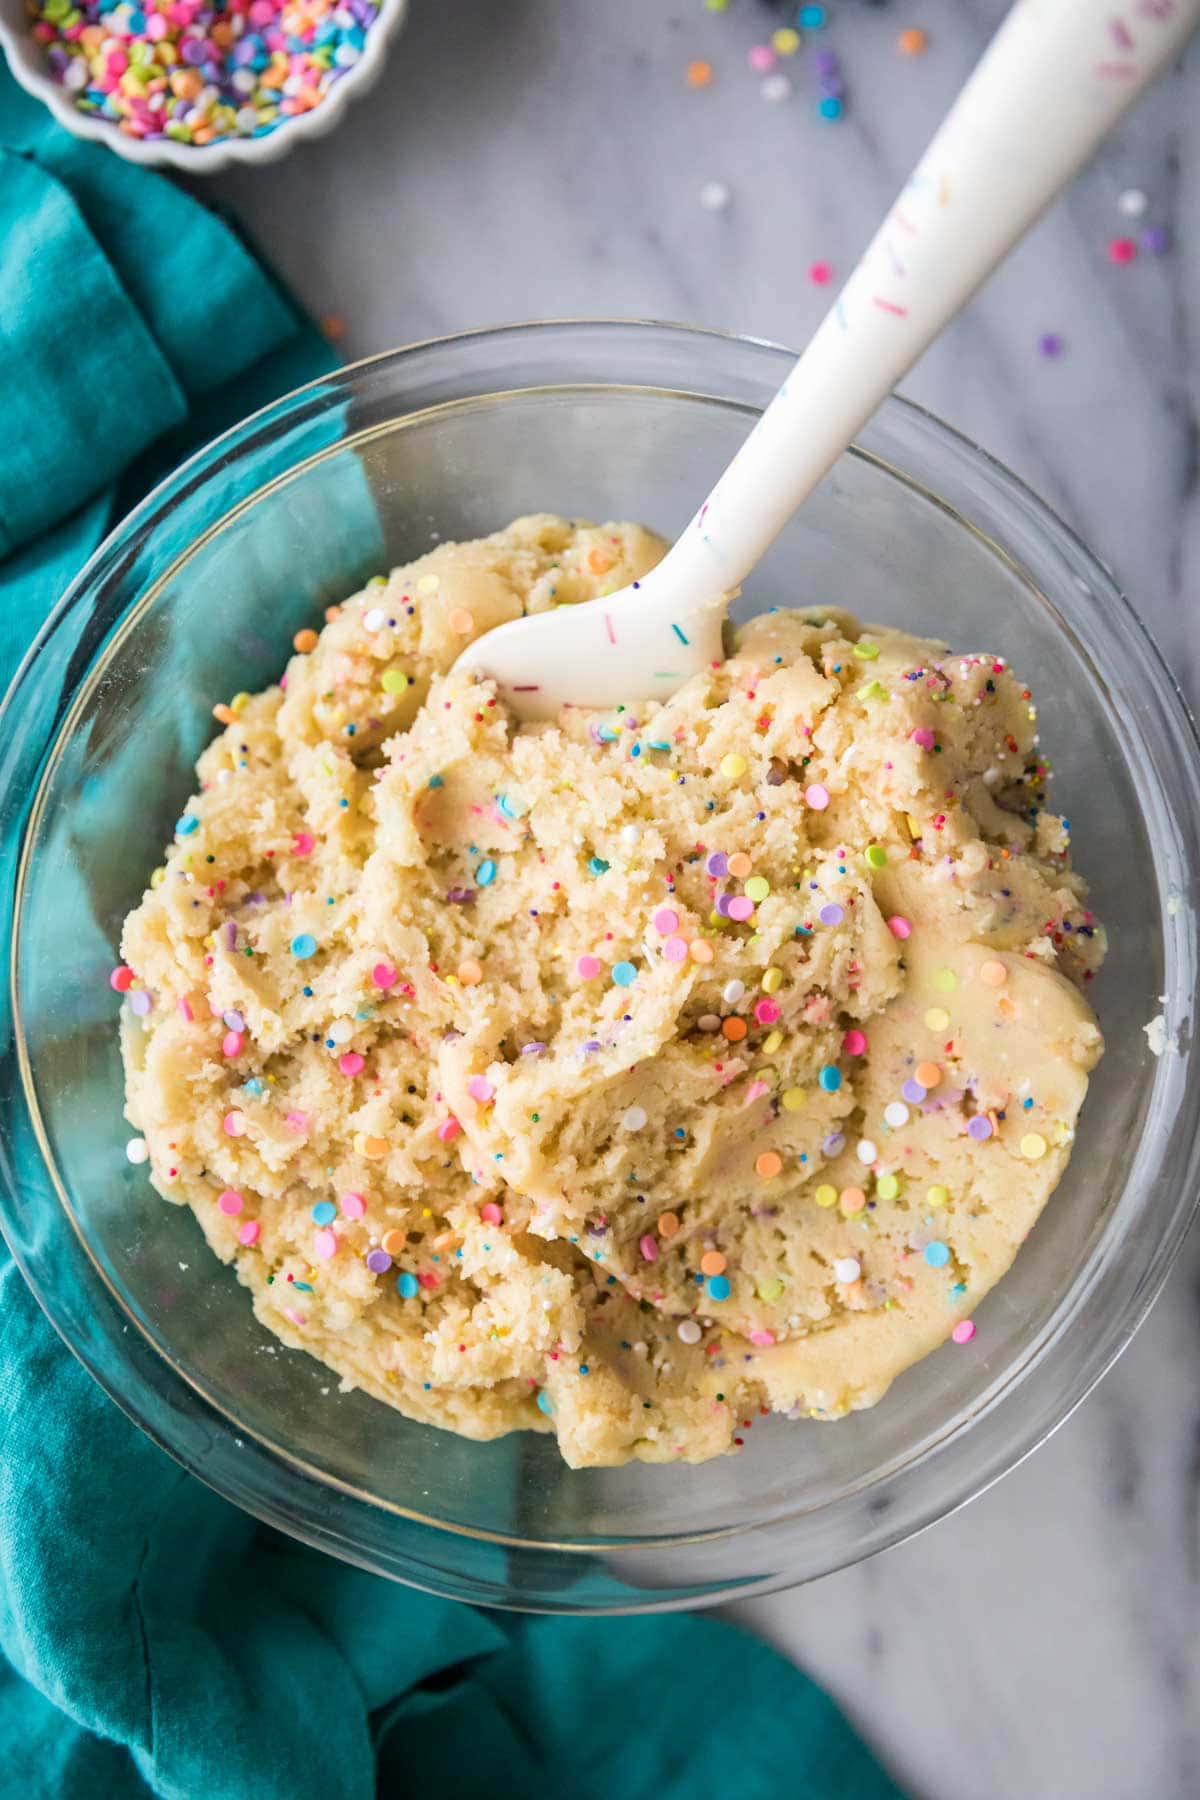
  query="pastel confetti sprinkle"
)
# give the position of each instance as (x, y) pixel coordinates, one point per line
(353, 1206)
(855, 1044)
(304, 946)
(937, 1254)
(325, 1244)
(666, 921)
(137, 1150)
(351, 1064)
(587, 967)
(768, 1165)
(816, 795)
(407, 1286)
(384, 975)
(830, 1078)
(719, 1288)
(899, 927)
(378, 1261)
(1033, 1146)
(980, 1128)
(634, 1118)
(963, 1332)
(481, 1089)
(733, 766)
(230, 1202)
(688, 1332)
(249, 1232)
(847, 1269)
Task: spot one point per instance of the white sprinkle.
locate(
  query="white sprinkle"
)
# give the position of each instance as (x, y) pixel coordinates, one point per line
(137, 1150)
(374, 619)
(75, 75)
(732, 992)
(866, 1151)
(895, 1114)
(1132, 203)
(714, 196)
(341, 1031)
(776, 88)
(847, 1269)
(631, 834)
(688, 1331)
(709, 1022)
(635, 1118)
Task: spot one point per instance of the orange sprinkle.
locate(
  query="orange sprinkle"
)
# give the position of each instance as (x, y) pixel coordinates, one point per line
(911, 42)
(331, 613)
(1005, 1007)
(701, 951)
(993, 974)
(928, 1074)
(668, 1224)
(768, 1164)
(852, 1199)
(599, 562)
(740, 865)
(224, 714)
(394, 1241)
(712, 1263)
(304, 641)
(699, 74)
(461, 622)
(375, 1147)
(469, 973)
(334, 327)
(734, 1029)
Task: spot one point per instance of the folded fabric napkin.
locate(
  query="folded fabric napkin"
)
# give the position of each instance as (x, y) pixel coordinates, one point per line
(155, 1639)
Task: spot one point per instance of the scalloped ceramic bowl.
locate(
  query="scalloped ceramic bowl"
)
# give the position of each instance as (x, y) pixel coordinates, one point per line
(200, 590)
(27, 61)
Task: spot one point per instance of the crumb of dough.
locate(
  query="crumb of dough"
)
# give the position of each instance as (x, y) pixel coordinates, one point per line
(621, 1076)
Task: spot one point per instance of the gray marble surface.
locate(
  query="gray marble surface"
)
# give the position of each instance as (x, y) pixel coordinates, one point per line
(545, 157)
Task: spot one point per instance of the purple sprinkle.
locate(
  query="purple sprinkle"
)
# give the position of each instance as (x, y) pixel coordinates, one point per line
(825, 62)
(461, 896)
(140, 1003)
(834, 1144)
(723, 901)
(980, 1128)
(833, 914)
(833, 85)
(234, 1020)
(718, 863)
(913, 1092)
(1050, 344)
(378, 1261)
(230, 934)
(592, 1044)
(1156, 239)
(532, 1049)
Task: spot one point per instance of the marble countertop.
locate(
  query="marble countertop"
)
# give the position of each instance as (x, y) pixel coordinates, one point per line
(546, 157)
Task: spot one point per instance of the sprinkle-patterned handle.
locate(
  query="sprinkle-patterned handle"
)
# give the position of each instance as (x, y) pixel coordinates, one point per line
(1054, 81)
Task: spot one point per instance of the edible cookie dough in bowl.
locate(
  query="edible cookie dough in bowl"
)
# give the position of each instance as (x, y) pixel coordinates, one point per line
(614, 1136)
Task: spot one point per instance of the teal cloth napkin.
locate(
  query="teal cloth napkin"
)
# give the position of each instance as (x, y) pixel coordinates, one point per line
(154, 1639)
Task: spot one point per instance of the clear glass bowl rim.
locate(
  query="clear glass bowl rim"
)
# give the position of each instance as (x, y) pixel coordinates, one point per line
(1168, 722)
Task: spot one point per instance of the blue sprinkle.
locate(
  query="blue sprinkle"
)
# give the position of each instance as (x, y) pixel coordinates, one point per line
(407, 1286)
(512, 809)
(830, 1078)
(606, 734)
(485, 874)
(324, 1212)
(597, 866)
(435, 781)
(187, 824)
(583, 1369)
(719, 1288)
(545, 1403)
(830, 107)
(624, 974)
(679, 634)
(304, 946)
(936, 1254)
(657, 744)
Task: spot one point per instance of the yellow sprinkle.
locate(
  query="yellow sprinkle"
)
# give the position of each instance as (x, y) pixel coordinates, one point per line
(770, 1290)
(936, 1019)
(1033, 1145)
(826, 1195)
(394, 681)
(757, 888)
(937, 1195)
(865, 650)
(873, 690)
(158, 877)
(887, 1187)
(772, 980)
(428, 584)
(945, 981)
(772, 1042)
(793, 1099)
(914, 826)
(733, 765)
(240, 702)
(785, 42)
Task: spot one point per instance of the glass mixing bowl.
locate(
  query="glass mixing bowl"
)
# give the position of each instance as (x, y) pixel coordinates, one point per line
(199, 593)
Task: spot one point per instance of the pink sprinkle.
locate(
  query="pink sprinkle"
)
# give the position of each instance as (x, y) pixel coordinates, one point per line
(449, 1129)
(249, 1232)
(820, 273)
(185, 1010)
(741, 908)
(648, 1248)
(764, 1339)
(817, 796)
(384, 975)
(675, 949)
(855, 1043)
(121, 979)
(297, 1120)
(491, 1214)
(666, 921)
(297, 1318)
(899, 927)
(587, 966)
(303, 844)
(231, 1043)
(234, 1124)
(762, 58)
(1122, 250)
(756, 1090)
(480, 1089)
(923, 737)
(351, 1063)
(766, 1012)
(230, 1202)
(963, 1332)
(325, 1243)
(353, 1206)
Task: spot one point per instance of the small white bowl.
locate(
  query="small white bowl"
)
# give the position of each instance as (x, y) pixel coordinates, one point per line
(27, 60)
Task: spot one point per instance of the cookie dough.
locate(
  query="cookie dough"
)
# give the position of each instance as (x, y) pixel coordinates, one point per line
(622, 1076)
